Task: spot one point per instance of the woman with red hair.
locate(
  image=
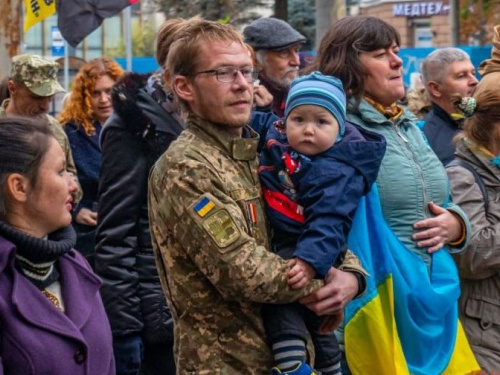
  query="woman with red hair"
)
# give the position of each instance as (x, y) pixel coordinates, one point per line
(85, 112)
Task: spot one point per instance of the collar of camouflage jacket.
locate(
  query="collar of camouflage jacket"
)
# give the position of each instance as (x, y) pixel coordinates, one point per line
(239, 148)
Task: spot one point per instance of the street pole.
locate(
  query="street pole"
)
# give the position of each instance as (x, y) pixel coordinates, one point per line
(454, 22)
(128, 37)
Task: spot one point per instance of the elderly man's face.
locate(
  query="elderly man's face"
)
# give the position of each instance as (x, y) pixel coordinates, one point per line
(460, 79)
(26, 103)
(281, 67)
(226, 103)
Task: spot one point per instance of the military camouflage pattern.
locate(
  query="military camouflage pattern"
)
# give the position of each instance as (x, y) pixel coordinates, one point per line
(212, 253)
(63, 141)
(38, 74)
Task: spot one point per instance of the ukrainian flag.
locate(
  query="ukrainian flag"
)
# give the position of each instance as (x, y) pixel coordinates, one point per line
(407, 321)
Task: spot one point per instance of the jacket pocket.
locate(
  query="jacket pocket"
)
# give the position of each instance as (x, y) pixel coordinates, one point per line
(483, 321)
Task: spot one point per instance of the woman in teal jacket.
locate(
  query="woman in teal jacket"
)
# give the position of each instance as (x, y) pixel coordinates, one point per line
(412, 184)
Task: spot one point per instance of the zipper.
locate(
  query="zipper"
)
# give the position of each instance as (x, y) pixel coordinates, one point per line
(405, 143)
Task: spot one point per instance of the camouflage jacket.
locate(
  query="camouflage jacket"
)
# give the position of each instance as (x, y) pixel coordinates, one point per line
(210, 238)
(61, 138)
(210, 241)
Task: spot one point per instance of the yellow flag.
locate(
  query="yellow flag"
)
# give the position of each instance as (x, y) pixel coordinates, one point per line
(37, 10)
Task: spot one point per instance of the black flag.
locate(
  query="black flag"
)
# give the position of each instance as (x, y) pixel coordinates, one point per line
(78, 18)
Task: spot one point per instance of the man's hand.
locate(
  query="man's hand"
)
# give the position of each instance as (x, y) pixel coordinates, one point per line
(300, 273)
(340, 288)
(261, 97)
(86, 217)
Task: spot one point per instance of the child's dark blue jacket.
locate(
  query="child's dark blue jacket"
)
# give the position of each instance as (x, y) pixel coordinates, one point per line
(311, 201)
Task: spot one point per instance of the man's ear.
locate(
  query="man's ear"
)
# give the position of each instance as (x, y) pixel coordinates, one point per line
(433, 89)
(11, 86)
(17, 187)
(184, 88)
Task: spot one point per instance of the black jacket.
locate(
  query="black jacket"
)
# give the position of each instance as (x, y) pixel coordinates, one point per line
(133, 138)
(440, 128)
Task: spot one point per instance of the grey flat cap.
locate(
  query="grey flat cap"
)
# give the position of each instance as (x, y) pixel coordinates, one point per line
(272, 34)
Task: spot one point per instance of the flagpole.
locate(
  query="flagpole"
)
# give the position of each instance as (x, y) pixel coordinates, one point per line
(128, 37)
(66, 66)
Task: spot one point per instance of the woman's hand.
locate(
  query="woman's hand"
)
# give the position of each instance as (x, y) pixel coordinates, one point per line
(86, 217)
(339, 289)
(439, 230)
(261, 97)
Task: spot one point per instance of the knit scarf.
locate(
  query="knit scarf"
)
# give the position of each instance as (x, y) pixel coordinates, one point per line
(36, 257)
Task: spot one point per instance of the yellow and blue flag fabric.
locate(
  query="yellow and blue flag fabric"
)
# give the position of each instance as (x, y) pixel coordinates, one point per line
(407, 321)
(37, 10)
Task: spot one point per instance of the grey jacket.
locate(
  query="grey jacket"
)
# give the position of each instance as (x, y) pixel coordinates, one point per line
(479, 263)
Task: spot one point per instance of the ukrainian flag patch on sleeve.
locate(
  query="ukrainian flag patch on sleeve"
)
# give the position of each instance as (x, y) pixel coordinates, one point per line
(203, 207)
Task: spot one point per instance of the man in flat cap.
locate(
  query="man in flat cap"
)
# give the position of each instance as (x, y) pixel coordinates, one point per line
(276, 46)
(32, 84)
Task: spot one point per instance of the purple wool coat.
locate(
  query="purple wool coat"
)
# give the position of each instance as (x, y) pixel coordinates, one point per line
(37, 338)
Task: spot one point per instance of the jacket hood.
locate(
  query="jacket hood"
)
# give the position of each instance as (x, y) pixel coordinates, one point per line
(125, 105)
(138, 111)
(362, 149)
(493, 64)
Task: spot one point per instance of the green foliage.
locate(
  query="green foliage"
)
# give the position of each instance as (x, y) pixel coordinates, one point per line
(143, 42)
(301, 16)
(234, 12)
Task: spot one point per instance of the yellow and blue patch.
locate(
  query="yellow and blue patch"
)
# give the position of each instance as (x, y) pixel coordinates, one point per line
(203, 207)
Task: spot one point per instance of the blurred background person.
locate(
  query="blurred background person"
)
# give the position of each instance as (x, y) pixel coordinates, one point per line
(446, 72)
(52, 320)
(32, 85)
(145, 121)
(276, 45)
(85, 111)
(475, 183)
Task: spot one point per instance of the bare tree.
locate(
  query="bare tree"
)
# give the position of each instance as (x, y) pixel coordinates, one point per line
(10, 32)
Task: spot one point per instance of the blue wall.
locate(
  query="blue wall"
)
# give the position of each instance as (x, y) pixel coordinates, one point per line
(412, 58)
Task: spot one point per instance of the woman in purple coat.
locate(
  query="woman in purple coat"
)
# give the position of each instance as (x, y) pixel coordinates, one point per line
(52, 320)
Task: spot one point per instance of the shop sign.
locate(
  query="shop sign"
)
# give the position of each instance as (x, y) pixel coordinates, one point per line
(420, 9)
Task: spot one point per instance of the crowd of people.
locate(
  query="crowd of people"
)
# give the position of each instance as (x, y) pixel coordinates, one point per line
(203, 219)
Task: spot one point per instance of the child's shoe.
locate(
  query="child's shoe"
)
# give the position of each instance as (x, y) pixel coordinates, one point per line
(302, 369)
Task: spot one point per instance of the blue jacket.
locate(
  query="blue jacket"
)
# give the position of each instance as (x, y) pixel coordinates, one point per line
(311, 201)
(87, 156)
(440, 128)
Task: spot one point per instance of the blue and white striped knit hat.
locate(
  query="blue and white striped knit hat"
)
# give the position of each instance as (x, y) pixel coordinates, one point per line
(321, 90)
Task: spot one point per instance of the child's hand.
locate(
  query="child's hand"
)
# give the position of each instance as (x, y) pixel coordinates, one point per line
(300, 273)
(330, 322)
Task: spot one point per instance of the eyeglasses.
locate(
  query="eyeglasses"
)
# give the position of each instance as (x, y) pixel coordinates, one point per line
(228, 74)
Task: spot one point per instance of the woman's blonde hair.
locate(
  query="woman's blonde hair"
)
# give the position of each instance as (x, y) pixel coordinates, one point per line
(79, 108)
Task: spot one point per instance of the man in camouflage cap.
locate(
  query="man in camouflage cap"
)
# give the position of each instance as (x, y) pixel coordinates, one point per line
(32, 84)
(207, 219)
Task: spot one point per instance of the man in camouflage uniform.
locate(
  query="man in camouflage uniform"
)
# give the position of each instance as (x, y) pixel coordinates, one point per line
(33, 82)
(206, 214)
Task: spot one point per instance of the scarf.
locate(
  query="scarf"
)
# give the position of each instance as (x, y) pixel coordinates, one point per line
(36, 257)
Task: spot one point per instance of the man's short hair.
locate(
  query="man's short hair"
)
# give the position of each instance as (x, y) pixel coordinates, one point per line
(39, 75)
(272, 34)
(184, 53)
(435, 65)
